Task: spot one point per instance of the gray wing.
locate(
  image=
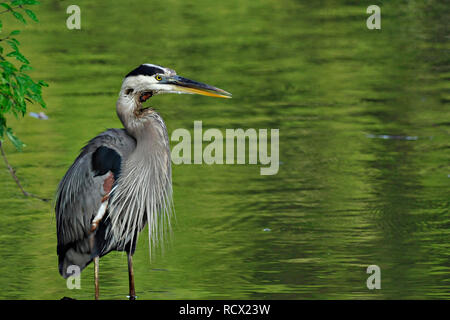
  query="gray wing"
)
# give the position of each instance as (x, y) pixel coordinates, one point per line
(80, 193)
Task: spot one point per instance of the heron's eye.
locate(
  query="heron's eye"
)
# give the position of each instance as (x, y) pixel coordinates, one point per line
(158, 77)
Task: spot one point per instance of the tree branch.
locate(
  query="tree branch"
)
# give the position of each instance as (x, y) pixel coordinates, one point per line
(12, 8)
(13, 174)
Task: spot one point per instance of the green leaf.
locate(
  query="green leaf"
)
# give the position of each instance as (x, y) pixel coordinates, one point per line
(13, 44)
(15, 141)
(31, 15)
(15, 32)
(2, 126)
(19, 17)
(14, 40)
(18, 56)
(31, 2)
(25, 67)
(8, 68)
(7, 6)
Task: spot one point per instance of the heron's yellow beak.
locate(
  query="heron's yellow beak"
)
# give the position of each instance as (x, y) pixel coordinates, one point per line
(204, 92)
(184, 85)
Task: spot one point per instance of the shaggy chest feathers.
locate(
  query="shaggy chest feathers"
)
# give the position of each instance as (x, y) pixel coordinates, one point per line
(143, 192)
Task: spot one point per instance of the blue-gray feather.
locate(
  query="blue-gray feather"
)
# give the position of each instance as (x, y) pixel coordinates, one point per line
(79, 196)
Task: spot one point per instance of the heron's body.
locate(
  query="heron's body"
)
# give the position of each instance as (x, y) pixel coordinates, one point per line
(106, 161)
(121, 180)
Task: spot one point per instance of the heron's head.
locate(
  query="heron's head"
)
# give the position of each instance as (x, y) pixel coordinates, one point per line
(148, 80)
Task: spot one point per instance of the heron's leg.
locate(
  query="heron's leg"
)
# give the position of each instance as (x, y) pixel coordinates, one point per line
(131, 276)
(96, 262)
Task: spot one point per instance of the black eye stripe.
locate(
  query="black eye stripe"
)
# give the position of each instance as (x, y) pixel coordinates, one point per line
(145, 70)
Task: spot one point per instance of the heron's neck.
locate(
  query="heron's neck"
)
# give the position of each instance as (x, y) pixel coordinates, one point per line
(151, 133)
(152, 142)
(146, 125)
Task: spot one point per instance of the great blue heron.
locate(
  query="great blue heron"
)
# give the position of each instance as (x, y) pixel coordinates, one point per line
(122, 178)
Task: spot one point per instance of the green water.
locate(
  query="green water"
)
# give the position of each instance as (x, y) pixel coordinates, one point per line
(344, 197)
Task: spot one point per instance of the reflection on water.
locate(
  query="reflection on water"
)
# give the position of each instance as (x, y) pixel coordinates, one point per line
(364, 127)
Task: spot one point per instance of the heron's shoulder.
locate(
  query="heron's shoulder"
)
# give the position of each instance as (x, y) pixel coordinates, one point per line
(116, 139)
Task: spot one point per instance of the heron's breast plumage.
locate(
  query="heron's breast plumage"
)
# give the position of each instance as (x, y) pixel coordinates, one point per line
(143, 193)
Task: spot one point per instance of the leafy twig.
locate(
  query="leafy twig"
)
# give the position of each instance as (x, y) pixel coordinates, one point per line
(17, 88)
(10, 9)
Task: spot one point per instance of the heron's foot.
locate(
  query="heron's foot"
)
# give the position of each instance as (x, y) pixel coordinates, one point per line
(132, 297)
